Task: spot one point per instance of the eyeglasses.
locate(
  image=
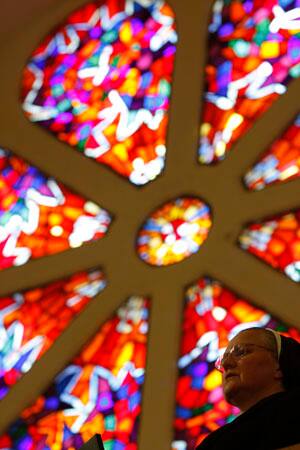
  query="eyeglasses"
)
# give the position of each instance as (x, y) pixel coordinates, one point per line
(238, 351)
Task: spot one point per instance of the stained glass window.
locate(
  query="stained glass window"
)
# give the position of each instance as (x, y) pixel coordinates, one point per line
(254, 52)
(40, 216)
(174, 231)
(280, 163)
(277, 242)
(99, 392)
(102, 82)
(212, 316)
(29, 321)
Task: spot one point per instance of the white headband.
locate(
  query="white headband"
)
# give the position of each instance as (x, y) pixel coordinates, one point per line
(278, 341)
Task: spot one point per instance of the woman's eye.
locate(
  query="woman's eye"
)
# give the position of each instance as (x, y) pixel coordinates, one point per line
(241, 352)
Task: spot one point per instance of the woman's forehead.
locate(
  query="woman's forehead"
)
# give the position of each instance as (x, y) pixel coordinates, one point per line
(248, 337)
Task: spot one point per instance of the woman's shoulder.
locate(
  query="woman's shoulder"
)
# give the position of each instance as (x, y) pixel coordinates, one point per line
(278, 412)
(212, 439)
(283, 402)
(275, 419)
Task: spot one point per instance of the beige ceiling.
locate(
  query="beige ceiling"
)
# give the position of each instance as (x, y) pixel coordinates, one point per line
(17, 13)
(25, 23)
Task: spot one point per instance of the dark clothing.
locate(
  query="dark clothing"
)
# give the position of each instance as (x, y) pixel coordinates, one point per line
(289, 361)
(272, 423)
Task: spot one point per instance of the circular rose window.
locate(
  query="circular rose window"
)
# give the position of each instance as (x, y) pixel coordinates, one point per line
(174, 231)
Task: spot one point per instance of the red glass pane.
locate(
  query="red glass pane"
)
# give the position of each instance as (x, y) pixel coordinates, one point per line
(253, 54)
(102, 82)
(212, 316)
(32, 320)
(40, 216)
(280, 163)
(277, 242)
(99, 392)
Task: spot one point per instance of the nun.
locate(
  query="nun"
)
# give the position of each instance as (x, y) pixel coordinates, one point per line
(261, 376)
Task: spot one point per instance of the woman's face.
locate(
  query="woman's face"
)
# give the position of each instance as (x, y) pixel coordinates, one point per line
(252, 376)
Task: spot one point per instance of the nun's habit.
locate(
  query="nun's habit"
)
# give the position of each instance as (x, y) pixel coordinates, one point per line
(273, 422)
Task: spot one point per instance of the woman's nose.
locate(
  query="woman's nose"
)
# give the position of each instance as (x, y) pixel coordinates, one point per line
(228, 361)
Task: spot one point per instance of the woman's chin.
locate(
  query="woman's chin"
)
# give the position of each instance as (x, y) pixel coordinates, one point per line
(231, 388)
